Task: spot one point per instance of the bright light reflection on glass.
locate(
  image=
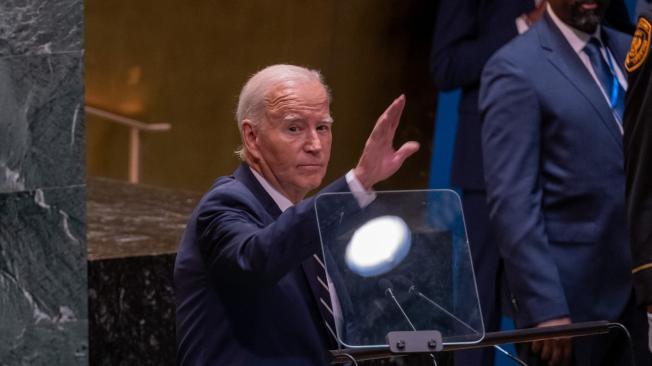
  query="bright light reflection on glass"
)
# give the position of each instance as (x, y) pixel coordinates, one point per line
(378, 246)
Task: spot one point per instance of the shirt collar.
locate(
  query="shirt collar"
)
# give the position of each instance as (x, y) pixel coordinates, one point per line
(576, 38)
(281, 201)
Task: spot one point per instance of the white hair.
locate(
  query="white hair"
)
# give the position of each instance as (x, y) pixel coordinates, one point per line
(251, 103)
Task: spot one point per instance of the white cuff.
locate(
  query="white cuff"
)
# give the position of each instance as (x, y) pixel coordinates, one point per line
(521, 24)
(363, 197)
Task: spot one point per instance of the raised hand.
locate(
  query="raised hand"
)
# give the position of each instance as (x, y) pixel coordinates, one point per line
(379, 159)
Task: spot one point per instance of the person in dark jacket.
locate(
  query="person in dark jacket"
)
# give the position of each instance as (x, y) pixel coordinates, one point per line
(246, 274)
(638, 158)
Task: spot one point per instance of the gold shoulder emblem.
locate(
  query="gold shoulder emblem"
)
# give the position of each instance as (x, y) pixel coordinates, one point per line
(640, 45)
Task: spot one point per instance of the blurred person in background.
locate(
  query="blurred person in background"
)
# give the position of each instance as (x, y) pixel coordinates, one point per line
(467, 33)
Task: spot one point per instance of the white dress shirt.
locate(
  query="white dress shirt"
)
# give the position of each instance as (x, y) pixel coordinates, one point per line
(578, 40)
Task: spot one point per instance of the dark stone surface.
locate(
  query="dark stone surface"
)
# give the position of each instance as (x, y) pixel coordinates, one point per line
(131, 304)
(40, 26)
(127, 220)
(41, 122)
(133, 232)
(43, 298)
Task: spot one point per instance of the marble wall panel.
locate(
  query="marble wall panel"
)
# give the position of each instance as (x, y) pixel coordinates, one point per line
(40, 26)
(43, 290)
(41, 122)
(43, 287)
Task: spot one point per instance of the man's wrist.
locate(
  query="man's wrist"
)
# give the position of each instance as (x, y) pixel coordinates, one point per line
(362, 195)
(361, 178)
(555, 322)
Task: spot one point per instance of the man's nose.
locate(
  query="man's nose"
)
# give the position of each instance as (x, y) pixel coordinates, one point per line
(313, 142)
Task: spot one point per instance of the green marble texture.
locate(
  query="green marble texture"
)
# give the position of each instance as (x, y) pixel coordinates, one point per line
(43, 301)
(41, 122)
(43, 280)
(40, 26)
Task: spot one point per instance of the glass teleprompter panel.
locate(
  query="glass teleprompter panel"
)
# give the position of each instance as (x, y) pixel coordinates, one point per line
(401, 263)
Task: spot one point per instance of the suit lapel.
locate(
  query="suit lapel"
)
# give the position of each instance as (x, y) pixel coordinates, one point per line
(244, 175)
(309, 266)
(562, 56)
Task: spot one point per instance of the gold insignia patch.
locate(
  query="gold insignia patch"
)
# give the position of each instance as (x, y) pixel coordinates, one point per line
(640, 45)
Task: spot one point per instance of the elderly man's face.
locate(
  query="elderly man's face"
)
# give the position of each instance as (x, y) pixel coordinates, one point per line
(294, 140)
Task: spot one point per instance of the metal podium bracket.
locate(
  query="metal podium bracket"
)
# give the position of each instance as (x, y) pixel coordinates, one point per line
(417, 341)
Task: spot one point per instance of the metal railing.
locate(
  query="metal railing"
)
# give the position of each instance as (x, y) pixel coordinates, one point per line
(493, 338)
(135, 127)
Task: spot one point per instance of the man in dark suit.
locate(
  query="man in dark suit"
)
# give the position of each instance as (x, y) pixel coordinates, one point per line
(551, 104)
(638, 158)
(246, 274)
(467, 33)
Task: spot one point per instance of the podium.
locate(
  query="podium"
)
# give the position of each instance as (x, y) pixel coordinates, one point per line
(402, 280)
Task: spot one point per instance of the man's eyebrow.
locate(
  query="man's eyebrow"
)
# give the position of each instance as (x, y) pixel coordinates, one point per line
(296, 118)
(292, 118)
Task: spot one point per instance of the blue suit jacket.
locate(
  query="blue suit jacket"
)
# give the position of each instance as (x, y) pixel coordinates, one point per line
(244, 280)
(554, 173)
(467, 33)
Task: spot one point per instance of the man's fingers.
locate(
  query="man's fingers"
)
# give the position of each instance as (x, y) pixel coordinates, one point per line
(556, 351)
(566, 351)
(395, 110)
(551, 348)
(388, 121)
(536, 346)
(379, 160)
(406, 150)
(546, 350)
(561, 352)
(383, 129)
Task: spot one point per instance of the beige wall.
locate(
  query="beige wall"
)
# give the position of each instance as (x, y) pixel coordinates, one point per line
(184, 62)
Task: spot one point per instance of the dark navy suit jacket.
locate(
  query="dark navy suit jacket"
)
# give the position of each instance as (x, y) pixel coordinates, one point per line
(553, 159)
(244, 280)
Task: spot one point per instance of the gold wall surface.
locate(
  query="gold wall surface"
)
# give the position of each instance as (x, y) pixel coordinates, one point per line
(184, 62)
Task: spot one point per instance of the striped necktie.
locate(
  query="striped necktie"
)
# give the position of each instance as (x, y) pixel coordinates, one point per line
(325, 305)
(607, 76)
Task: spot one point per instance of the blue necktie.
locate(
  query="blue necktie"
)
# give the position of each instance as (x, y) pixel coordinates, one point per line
(607, 77)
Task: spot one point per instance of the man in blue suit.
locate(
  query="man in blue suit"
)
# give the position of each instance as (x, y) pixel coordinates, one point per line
(551, 104)
(250, 288)
(467, 33)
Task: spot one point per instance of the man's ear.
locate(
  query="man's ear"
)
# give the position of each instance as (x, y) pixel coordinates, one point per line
(250, 138)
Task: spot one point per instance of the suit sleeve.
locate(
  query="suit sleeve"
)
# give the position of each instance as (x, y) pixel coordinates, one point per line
(464, 39)
(637, 143)
(511, 145)
(238, 249)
